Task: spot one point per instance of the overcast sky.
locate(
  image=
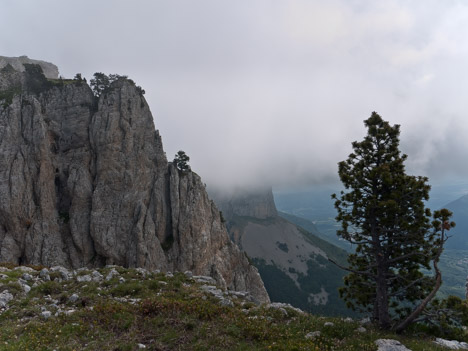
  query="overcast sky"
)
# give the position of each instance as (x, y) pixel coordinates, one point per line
(270, 92)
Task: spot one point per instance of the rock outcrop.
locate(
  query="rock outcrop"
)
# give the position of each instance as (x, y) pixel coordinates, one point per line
(50, 70)
(84, 181)
(292, 262)
(257, 203)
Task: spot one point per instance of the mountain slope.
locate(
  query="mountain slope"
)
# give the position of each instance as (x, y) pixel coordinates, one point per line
(459, 234)
(293, 263)
(312, 228)
(454, 260)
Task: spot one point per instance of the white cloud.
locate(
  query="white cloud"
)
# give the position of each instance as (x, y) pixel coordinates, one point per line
(270, 91)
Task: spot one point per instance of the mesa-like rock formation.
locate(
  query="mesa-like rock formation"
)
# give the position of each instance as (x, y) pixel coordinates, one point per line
(292, 261)
(84, 181)
(49, 69)
(257, 203)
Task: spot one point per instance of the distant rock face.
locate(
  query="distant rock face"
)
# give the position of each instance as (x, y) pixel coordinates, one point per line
(85, 182)
(293, 263)
(257, 203)
(50, 70)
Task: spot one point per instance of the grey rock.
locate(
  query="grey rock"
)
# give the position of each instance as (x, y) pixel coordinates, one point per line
(313, 335)
(24, 269)
(96, 276)
(44, 274)
(5, 297)
(26, 288)
(390, 345)
(217, 293)
(46, 314)
(204, 279)
(329, 324)
(361, 330)
(24, 285)
(113, 273)
(141, 346)
(85, 182)
(213, 290)
(73, 298)
(84, 278)
(50, 70)
(65, 274)
(364, 321)
(286, 306)
(27, 276)
(142, 271)
(226, 302)
(283, 311)
(239, 294)
(3, 276)
(451, 344)
(188, 274)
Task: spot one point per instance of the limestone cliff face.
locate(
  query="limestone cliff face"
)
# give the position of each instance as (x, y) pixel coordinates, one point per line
(85, 182)
(257, 203)
(50, 70)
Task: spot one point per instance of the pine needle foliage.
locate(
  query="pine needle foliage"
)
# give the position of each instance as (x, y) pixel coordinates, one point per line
(382, 213)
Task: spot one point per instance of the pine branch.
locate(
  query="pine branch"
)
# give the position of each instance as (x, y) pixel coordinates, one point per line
(366, 272)
(438, 282)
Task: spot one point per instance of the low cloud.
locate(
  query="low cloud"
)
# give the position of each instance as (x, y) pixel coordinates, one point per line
(271, 92)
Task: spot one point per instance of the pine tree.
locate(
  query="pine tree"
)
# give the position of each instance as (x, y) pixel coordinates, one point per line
(181, 161)
(382, 213)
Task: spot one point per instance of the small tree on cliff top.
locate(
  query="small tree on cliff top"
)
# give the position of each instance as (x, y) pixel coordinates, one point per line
(382, 212)
(181, 161)
(101, 82)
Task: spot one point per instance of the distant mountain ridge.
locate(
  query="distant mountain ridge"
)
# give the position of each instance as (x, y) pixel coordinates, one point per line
(459, 235)
(293, 262)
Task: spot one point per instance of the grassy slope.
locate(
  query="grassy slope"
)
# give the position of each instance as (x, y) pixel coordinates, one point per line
(320, 274)
(307, 225)
(167, 313)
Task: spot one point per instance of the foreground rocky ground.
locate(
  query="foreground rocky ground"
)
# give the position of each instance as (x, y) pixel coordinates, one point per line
(131, 309)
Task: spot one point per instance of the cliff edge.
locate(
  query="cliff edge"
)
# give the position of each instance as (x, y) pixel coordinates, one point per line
(84, 182)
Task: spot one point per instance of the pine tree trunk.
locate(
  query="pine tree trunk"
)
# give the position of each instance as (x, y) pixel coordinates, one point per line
(383, 315)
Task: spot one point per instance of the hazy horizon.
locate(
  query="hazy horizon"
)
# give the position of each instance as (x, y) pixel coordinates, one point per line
(271, 92)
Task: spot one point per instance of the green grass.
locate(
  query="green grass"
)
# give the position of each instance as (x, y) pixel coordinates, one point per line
(6, 96)
(169, 314)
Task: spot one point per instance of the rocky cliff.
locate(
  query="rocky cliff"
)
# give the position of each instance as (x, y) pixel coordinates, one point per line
(50, 70)
(257, 203)
(84, 181)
